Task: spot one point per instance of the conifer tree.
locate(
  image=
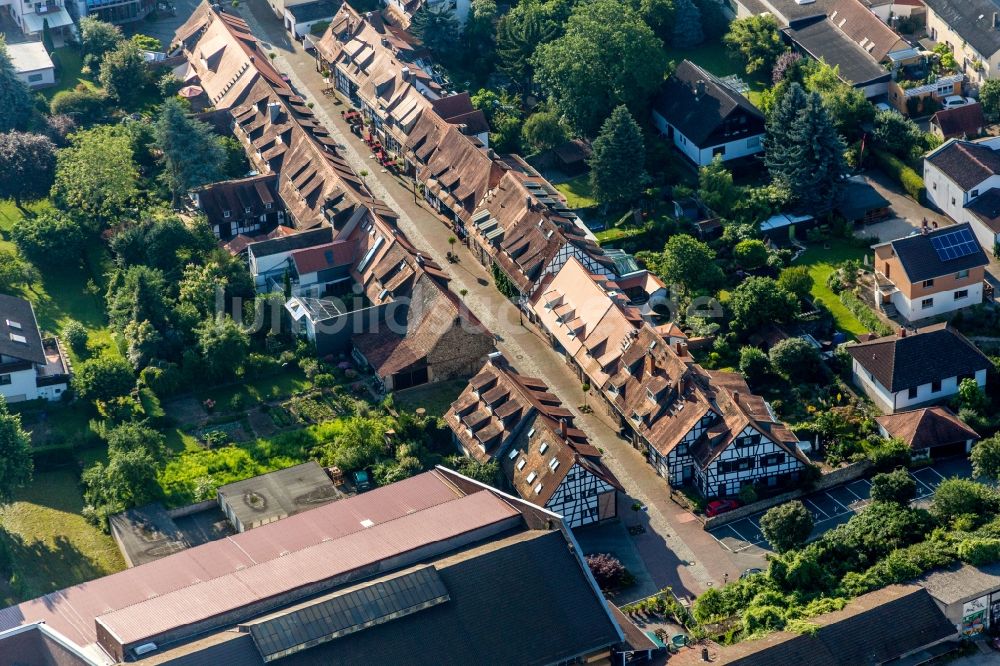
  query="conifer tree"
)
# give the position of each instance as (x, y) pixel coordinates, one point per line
(618, 161)
(688, 30)
(817, 159)
(191, 152)
(777, 148)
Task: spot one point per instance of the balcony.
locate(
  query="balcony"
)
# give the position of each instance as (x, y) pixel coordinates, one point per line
(43, 8)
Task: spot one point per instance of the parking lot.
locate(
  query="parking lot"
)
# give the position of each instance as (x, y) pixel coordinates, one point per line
(829, 508)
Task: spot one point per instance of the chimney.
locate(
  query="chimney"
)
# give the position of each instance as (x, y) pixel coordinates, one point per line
(405, 72)
(736, 397)
(273, 111)
(679, 348)
(562, 428)
(699, 89)
(902, 331)
(704, 654)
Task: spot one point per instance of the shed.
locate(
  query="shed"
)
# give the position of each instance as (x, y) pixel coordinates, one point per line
(32, 64)
(968, 596)
(859, 202)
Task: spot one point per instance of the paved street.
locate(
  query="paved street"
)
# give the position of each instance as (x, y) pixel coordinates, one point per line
(675, 548)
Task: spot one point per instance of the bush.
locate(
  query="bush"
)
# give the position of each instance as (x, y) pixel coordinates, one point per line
(864, 314)
(796, 359)
(74, 334)
(82, 104)
(787, 526)
(902, 172)
(897, 486)
(979, 552)
(964, 497)
(890, 455)
(754, 364)
(607, 569)
(164, 381)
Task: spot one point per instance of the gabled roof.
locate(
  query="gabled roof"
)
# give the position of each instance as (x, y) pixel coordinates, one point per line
(968, 163)
(298, 241)
(972, 20)
(922, 261)
(17, 324)
(497, 403)
(235, 196)
(986, 208)
(927, 427)
(865, 29)
(821, 39)
(321, 257)
(931, 354)
(874, 628)
(961, 122)
(697, 117)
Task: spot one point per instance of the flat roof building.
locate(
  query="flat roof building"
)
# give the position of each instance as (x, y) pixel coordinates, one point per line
(269, 497)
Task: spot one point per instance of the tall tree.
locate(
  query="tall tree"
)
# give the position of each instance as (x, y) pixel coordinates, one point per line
(436, 26)
(659, 14)
(192, 154)
(848, 106)
(759, 301)
(138, 293)
(688, 263)
(757, 40)
(608, 57)
(124, 73)
(716, 188)
(99, 37)
(53, 238)
(96, 174)
(224, 346)
(27, 166)
(15, 453)
(817, 165)
(103, 378)
(479, 37)
(989, 97)
(777, 142)
(16, 107)
(617, 164)
(688, 29)
(519, 33)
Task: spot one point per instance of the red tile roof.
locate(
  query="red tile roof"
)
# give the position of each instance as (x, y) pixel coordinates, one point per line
(321, 257)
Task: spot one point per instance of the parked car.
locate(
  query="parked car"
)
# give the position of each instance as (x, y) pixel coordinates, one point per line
(955, 101)
(715, 507)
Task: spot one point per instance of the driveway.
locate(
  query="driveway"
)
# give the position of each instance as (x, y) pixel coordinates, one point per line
(835, 506)
(676, 550)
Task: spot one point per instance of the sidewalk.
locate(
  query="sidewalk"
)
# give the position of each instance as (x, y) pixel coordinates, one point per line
(675, 548)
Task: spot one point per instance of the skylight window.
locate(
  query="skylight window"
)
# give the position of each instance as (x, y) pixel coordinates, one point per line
(538, 489)
(553, 464)
(531, 432)
(19, 338)
(521, 463)
(14, 324)
(532, 477)
(544, 447)
(513, 454)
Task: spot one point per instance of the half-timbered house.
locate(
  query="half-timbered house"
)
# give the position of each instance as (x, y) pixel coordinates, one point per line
(696, 426)
(505, 416)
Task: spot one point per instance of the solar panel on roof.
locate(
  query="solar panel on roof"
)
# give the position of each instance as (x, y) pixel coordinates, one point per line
(954, 244)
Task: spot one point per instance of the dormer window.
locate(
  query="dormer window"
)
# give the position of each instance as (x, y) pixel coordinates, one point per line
(538, 489)
(650, 395)
(544, 447)
(247, 210)
(267, 206)
(532, 477)
(226, 214)
(521, 463)
(513, 454)
(553, 464)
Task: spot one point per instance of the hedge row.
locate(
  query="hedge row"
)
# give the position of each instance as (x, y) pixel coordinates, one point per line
(911, 181)
(864, 314)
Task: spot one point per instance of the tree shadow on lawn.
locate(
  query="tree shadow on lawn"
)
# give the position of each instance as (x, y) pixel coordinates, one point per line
(42, 567)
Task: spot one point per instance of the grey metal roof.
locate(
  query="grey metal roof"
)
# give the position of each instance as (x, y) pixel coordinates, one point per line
(17, 323)
(298, 241)
(972, 20)
(348, 611)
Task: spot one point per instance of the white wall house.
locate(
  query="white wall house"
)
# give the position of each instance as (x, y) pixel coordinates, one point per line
(32, 64)
(893, 371)
(270, 259)
(703, 117)
(30, 367)
(962, 178)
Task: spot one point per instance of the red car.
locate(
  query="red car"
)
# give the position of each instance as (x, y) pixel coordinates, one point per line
(715, 507)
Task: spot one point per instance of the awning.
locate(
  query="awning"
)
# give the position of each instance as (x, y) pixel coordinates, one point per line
(57, 18)
(905, 54)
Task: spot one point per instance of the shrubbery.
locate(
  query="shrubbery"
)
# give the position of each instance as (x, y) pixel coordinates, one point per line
(903, 173)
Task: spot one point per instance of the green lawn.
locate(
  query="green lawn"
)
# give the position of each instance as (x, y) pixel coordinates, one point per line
(821, 262)
(715, 58)
(578, 192)
(60, 293)
(70, 64)
(282, 385)
(435, 398)
(51, 545)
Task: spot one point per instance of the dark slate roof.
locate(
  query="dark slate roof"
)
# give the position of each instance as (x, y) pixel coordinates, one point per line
(314, 11)
(298, 241)
(921, 261)
(972, 20)
(986, 207)
(966, 162)
(696, 118)
(872, 629)
(857, 197)
(821, 39)
(523, 600)
(18, 311)
(931, 354)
